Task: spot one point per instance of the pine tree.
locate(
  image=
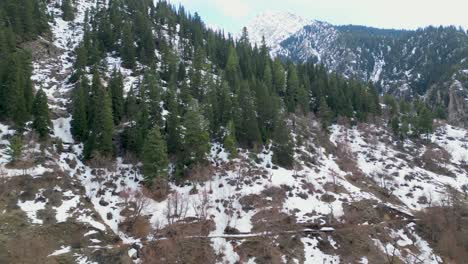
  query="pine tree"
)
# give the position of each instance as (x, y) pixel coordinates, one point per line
(67, 9)
(267, 110)
(40, 113)
(395, 125)
(79, 122)
(127, 50)
(292, 88)
(173, 128)
(232, 68)
(15, 148)
(154, 157)
(230, 143)
(247, 123)
(196, 138)
(195, 73)
(325, 114)
(100, 139)
(283, 148)
(15, 106)
(116, 90)
(424, 123)
(150, 89)
(279, 81)
(104, 125)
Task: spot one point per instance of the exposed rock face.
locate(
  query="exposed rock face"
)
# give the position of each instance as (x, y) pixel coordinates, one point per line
(458, 104)
(42, 48)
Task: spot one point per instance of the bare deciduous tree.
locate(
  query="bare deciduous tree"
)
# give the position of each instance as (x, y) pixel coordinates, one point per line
(176, 208)
(201, 205)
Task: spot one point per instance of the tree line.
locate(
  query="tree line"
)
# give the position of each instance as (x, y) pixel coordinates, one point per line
(200, 86)
(21, 21)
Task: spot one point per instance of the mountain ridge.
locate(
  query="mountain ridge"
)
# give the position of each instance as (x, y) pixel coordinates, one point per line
(408, 64)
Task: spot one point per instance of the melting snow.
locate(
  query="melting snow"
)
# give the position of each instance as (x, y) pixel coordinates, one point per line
(63, 250)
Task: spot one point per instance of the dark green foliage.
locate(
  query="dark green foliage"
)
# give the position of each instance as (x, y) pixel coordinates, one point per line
(208, 88)
(25, 18)
(395, 125)
(173, 126)
(292, 89)
(325, 114)
(116, 90)
(229, 142)
(283, 147)
(150, 90)
(100, 122)
(40, 111)
(15, 148)
(16, 88)
(20, 20)
(67, 9)
(195, 137)
(424, 123)
(128, 51)
(245, 119)
(79, 122)
(409, 119)
(154, 157)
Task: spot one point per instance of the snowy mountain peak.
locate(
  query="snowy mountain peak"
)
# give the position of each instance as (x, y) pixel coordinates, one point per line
(275, 26)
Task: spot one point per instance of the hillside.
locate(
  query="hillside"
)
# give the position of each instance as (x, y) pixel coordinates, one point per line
(153, 139)
(427, 63)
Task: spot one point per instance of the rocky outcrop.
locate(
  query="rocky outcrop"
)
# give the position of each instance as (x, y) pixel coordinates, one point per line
(42, 48)
(458, 104)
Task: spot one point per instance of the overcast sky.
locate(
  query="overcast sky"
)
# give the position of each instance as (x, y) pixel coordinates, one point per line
(232, 15)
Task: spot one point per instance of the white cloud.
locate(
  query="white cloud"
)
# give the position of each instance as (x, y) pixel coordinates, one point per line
(233, 8)
(410, 14)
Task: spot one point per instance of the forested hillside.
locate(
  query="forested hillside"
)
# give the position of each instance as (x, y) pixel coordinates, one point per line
(211, 88)
(20, 21)
(427, 64)
(130, 132)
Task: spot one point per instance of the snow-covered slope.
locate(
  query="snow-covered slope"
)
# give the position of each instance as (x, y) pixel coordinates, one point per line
(406, 64)
(275, 27)
(249, 206)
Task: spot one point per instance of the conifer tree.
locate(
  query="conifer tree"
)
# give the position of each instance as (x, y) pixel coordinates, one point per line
(292, 88)
(104, 124)
(267, 110)
(41, 121)
(196, 77)
(424, 123)
(279, 81)
(173, 128)
(79, 122)
(232, 68)
(247, 123)
(150, 89)
(67, 9)
(230, 143)
(224, 103)
(127, 50)
(15, 98)
(395, 125)
(100, 139)
(154, 157)
(196, 138)
(283, 148)
(116, 90)
(15, 148)
(325, 113)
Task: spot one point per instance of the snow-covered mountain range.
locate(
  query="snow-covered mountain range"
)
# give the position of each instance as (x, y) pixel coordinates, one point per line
(408, 64)
(275, 27)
